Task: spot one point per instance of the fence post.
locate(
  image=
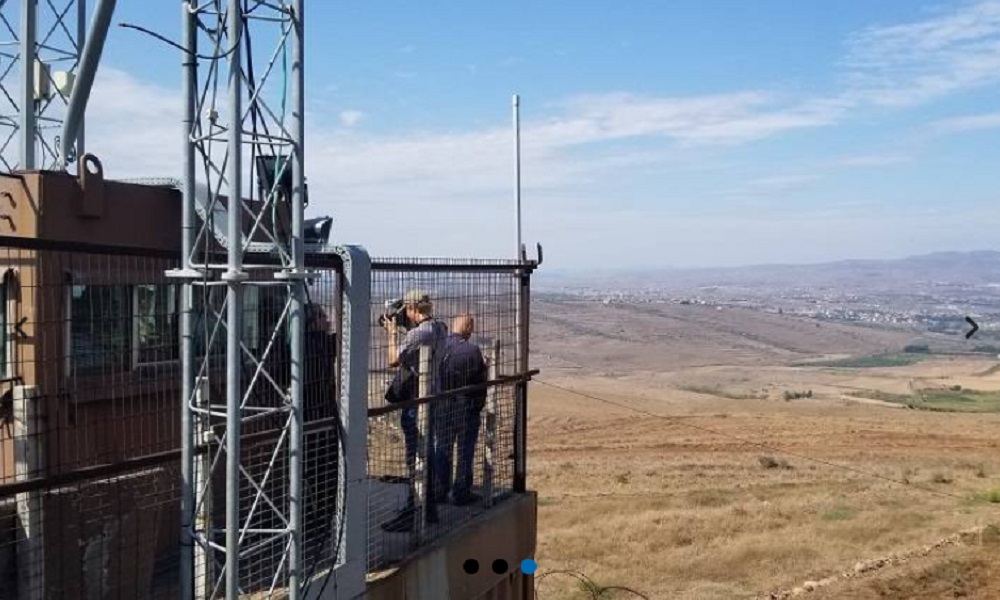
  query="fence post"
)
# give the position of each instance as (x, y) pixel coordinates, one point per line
(521, 387)
(351, 549)
(29, 457)
(421, 478)
(490, 425)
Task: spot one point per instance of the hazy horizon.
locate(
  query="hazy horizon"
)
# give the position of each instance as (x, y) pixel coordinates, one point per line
(736, 266)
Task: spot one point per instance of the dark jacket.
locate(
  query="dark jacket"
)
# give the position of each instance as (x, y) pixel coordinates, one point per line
(463, 365)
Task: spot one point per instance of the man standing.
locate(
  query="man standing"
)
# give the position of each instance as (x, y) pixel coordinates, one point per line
(424, 330)
(462, 366)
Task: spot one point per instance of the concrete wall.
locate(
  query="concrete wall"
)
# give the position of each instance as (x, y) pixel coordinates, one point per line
(506, 531)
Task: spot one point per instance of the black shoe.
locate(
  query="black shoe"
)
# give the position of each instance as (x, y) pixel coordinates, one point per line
(401, 523)
(467, 499)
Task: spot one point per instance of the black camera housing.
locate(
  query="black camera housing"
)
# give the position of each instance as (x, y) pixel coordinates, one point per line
(395, 312)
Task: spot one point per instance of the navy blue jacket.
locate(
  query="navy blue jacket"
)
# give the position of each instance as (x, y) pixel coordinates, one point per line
(462, 365)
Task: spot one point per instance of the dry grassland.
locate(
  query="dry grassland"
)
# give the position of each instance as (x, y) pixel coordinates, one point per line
(694, 507)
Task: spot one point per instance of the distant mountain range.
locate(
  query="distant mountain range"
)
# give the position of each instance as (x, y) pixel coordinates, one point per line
(939, 268)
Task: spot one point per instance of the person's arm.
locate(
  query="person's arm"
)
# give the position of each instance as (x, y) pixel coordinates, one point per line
(399, 351)
(392, 343)
(481, 376)
(479, 365)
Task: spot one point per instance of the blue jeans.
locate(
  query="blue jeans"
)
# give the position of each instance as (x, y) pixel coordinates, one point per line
(458, 422)
(411, 435)
(411, 439)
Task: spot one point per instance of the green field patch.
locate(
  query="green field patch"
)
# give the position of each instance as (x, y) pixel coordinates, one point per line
(869, 362)
(941, 400)
(722, 393)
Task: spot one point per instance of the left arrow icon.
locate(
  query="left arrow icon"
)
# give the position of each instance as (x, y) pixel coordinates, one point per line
(19, 325)
(974, 329)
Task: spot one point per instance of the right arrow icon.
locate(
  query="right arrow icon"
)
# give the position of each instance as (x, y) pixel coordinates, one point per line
(974, 329)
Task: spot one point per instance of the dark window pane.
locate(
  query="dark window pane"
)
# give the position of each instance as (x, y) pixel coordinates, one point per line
(99, 329)
(156, 324)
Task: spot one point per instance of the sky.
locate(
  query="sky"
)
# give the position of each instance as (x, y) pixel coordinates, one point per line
(654, 134)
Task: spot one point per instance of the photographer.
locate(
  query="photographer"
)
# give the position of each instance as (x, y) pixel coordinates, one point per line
(422, 329)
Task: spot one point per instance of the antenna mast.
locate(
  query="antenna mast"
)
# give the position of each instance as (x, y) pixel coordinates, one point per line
(517, 171)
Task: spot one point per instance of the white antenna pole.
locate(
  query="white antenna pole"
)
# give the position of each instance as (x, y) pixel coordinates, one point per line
(517, 170)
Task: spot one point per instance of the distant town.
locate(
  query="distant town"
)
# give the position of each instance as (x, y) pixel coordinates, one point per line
(896, 294)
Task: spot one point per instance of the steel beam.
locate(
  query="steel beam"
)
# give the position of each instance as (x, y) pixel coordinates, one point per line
(72, 131)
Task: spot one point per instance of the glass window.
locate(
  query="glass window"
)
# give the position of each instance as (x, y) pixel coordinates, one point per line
(205, 321)
(99, 329)
(156, 324)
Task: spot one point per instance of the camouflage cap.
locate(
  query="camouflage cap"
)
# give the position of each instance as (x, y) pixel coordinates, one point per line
(417, 297)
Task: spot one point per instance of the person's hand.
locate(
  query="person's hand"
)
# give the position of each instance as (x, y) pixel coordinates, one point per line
(390, 327)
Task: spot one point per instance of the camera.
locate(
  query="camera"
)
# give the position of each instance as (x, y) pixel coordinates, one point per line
(394, 311)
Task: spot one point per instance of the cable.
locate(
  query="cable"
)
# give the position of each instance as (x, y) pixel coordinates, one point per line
(596, 591)
(170, 42)
(683, 423)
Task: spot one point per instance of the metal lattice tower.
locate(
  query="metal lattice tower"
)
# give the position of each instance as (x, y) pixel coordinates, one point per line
(243, 238)
(47, 37)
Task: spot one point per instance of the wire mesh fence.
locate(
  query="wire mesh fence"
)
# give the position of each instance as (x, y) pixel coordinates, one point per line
(262, 491)
(89, 415)
(90, 401)
(443, 380)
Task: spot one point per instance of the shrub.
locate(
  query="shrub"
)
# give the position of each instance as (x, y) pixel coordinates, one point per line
(769, 462)
(941, 478)
(992, 496)
(917, 349)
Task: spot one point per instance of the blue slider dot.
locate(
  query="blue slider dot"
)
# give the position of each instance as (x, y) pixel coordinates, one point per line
(528, 566)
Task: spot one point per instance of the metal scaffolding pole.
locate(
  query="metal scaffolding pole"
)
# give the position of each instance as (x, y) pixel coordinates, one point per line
(297, 274)
(189, 84)
(234, 303)
(250, 200)
(28, 56)
(73, 129)
(41, 43)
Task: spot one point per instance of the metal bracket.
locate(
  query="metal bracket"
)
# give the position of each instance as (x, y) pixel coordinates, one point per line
(233, 276)
(296, 275)
(188, 273)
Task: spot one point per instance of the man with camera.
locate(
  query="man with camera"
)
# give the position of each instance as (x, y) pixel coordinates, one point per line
(414, 313)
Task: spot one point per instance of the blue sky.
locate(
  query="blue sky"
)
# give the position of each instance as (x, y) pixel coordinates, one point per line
(675, 133)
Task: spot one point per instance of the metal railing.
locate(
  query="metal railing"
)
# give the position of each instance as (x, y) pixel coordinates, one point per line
(445, 447)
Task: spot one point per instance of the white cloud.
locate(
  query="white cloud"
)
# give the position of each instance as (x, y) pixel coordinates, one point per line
(967, 123)
(134, 127)
(906, 64)
(462, 179)
(350, 118)
(869, 161)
